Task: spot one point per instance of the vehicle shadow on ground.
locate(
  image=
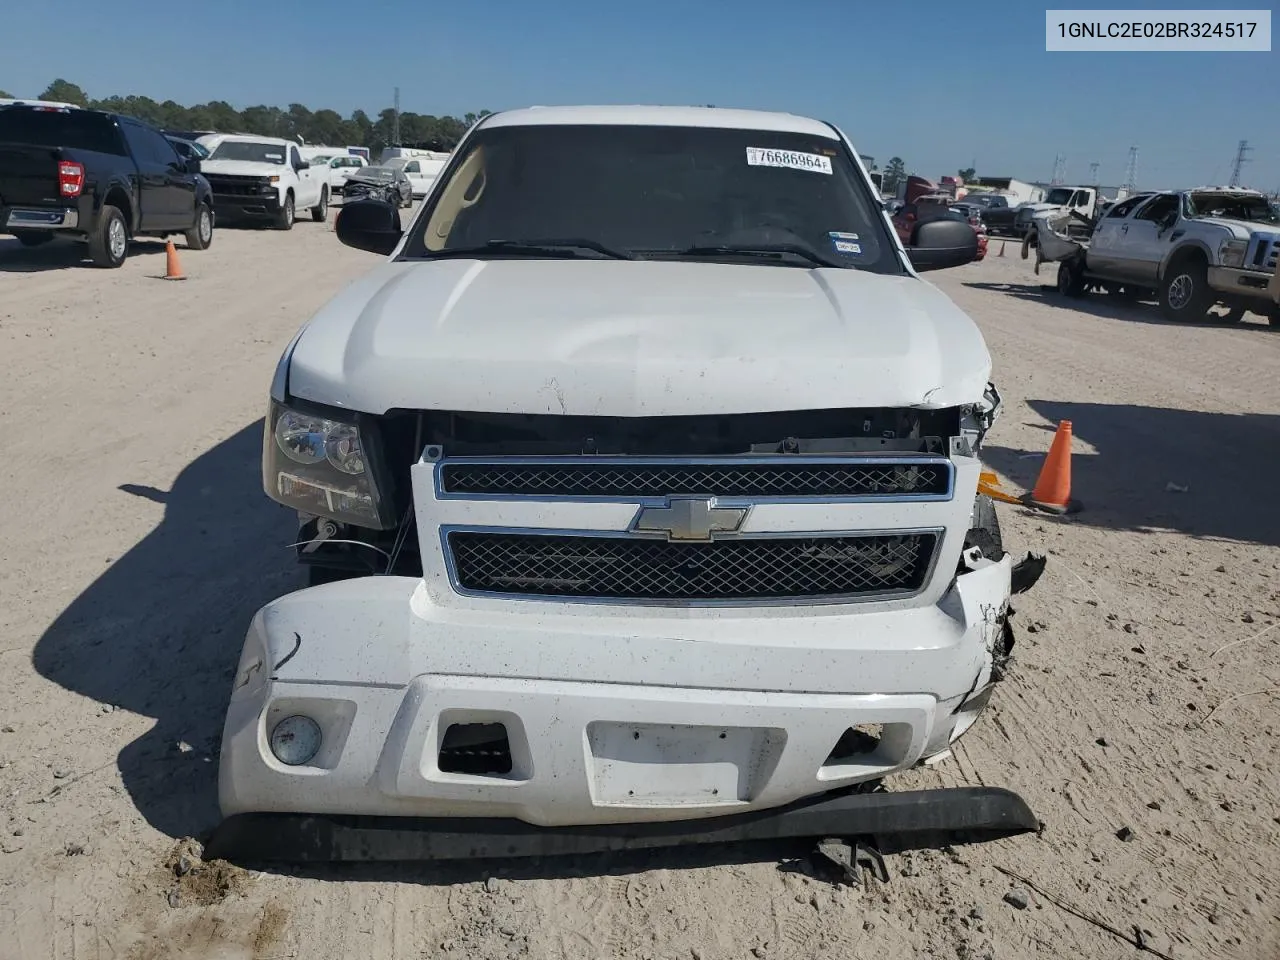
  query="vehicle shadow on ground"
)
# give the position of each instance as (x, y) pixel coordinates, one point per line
(159, 633)
(1227, 463)
(1109, 306)
(59, 254)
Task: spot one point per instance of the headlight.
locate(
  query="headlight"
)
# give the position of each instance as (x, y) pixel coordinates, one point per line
(1231, 252)
(319, 466)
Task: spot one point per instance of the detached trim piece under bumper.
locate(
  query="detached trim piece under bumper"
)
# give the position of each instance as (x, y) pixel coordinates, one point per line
(963, 814)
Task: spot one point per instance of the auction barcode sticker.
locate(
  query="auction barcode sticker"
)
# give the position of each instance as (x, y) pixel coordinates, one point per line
(1134, 31)
(765, 157)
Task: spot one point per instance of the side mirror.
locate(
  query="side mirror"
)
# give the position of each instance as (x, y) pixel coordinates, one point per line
(302, 165)
(938, 244)
(372, 225)
(193, 165)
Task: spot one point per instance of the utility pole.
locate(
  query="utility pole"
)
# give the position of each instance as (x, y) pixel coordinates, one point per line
(1093, 172)
(1131, 172)
(1241, 160)
(395, 120)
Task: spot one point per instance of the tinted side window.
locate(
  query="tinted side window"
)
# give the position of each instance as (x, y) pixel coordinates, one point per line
(294, 157)
(412, 167)
(160, 149)
(134, 135)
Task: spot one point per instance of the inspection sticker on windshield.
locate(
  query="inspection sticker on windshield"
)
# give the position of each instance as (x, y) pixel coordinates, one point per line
(845, 242)
(765, 157)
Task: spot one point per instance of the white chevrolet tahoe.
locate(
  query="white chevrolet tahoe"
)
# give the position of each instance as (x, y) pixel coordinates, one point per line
(261, 179)
(643, 473)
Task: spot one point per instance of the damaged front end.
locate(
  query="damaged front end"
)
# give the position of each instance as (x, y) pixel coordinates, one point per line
(590, 634)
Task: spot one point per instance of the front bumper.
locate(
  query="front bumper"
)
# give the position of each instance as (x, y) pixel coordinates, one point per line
(1245, 284)
(609, 719)
(227, 207)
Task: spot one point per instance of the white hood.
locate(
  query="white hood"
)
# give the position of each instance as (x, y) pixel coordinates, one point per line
(635, 338)
(242, 168)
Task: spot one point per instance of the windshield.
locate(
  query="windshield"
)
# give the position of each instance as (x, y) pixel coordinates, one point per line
(396, 163)
(659, 192)
(1059, 196)
(375, 174)
(1231, 207)
(322, 159)
(249, 150)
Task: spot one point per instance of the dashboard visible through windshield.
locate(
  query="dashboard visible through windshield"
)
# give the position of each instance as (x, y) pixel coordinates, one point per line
(655, 192)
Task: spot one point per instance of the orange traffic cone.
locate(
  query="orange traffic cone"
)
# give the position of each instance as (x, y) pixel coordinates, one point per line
(172, 269)
(1052, 491)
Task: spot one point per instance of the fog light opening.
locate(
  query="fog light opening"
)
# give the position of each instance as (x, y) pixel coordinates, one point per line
(296, 740)
(855, 744)
(475, 749)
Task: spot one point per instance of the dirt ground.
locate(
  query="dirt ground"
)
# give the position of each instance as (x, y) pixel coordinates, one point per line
(1139, 722)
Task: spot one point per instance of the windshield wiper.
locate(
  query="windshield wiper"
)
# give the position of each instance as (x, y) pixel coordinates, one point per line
(764, 250)
(570, 246)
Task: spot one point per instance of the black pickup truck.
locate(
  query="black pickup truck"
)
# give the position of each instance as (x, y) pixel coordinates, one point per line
(96, 177)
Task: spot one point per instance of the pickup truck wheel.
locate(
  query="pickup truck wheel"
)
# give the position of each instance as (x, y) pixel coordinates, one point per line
(109, 242)
(201, 235)
(318, 213)
(284, 219)
(1071, 280)
(33, 239)
(1185, 293)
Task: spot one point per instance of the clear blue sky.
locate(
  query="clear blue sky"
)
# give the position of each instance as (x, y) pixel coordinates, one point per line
(942, 85)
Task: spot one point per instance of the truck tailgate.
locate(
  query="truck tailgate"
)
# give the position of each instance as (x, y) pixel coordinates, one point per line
(28, 175)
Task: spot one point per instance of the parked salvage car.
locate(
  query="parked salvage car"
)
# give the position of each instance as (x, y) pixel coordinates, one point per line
(187, 149)
(390, 184)
(99, 178)
(639, 483)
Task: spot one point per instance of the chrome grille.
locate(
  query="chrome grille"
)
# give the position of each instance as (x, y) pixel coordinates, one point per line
(744, 569)
(781, 478)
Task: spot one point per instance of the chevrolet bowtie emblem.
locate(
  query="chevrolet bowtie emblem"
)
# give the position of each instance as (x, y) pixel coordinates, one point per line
(689, 518)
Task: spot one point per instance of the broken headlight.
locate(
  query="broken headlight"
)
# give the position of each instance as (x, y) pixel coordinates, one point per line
(1231, 252)
(319, 466)
(977, 419)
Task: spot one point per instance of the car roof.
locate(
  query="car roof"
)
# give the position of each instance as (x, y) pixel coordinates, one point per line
(662, 116)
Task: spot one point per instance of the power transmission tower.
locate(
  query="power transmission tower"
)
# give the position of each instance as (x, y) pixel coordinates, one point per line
(1059, 169)
(1131, 172)
(1093, 172)
(395, 120)
(1241, 160)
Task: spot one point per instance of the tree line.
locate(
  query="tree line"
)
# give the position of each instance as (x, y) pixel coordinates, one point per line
(294, 122)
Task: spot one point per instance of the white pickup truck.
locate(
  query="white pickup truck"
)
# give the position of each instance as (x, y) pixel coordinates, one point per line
(1081, 200)
(639, 484)
(259, 179)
